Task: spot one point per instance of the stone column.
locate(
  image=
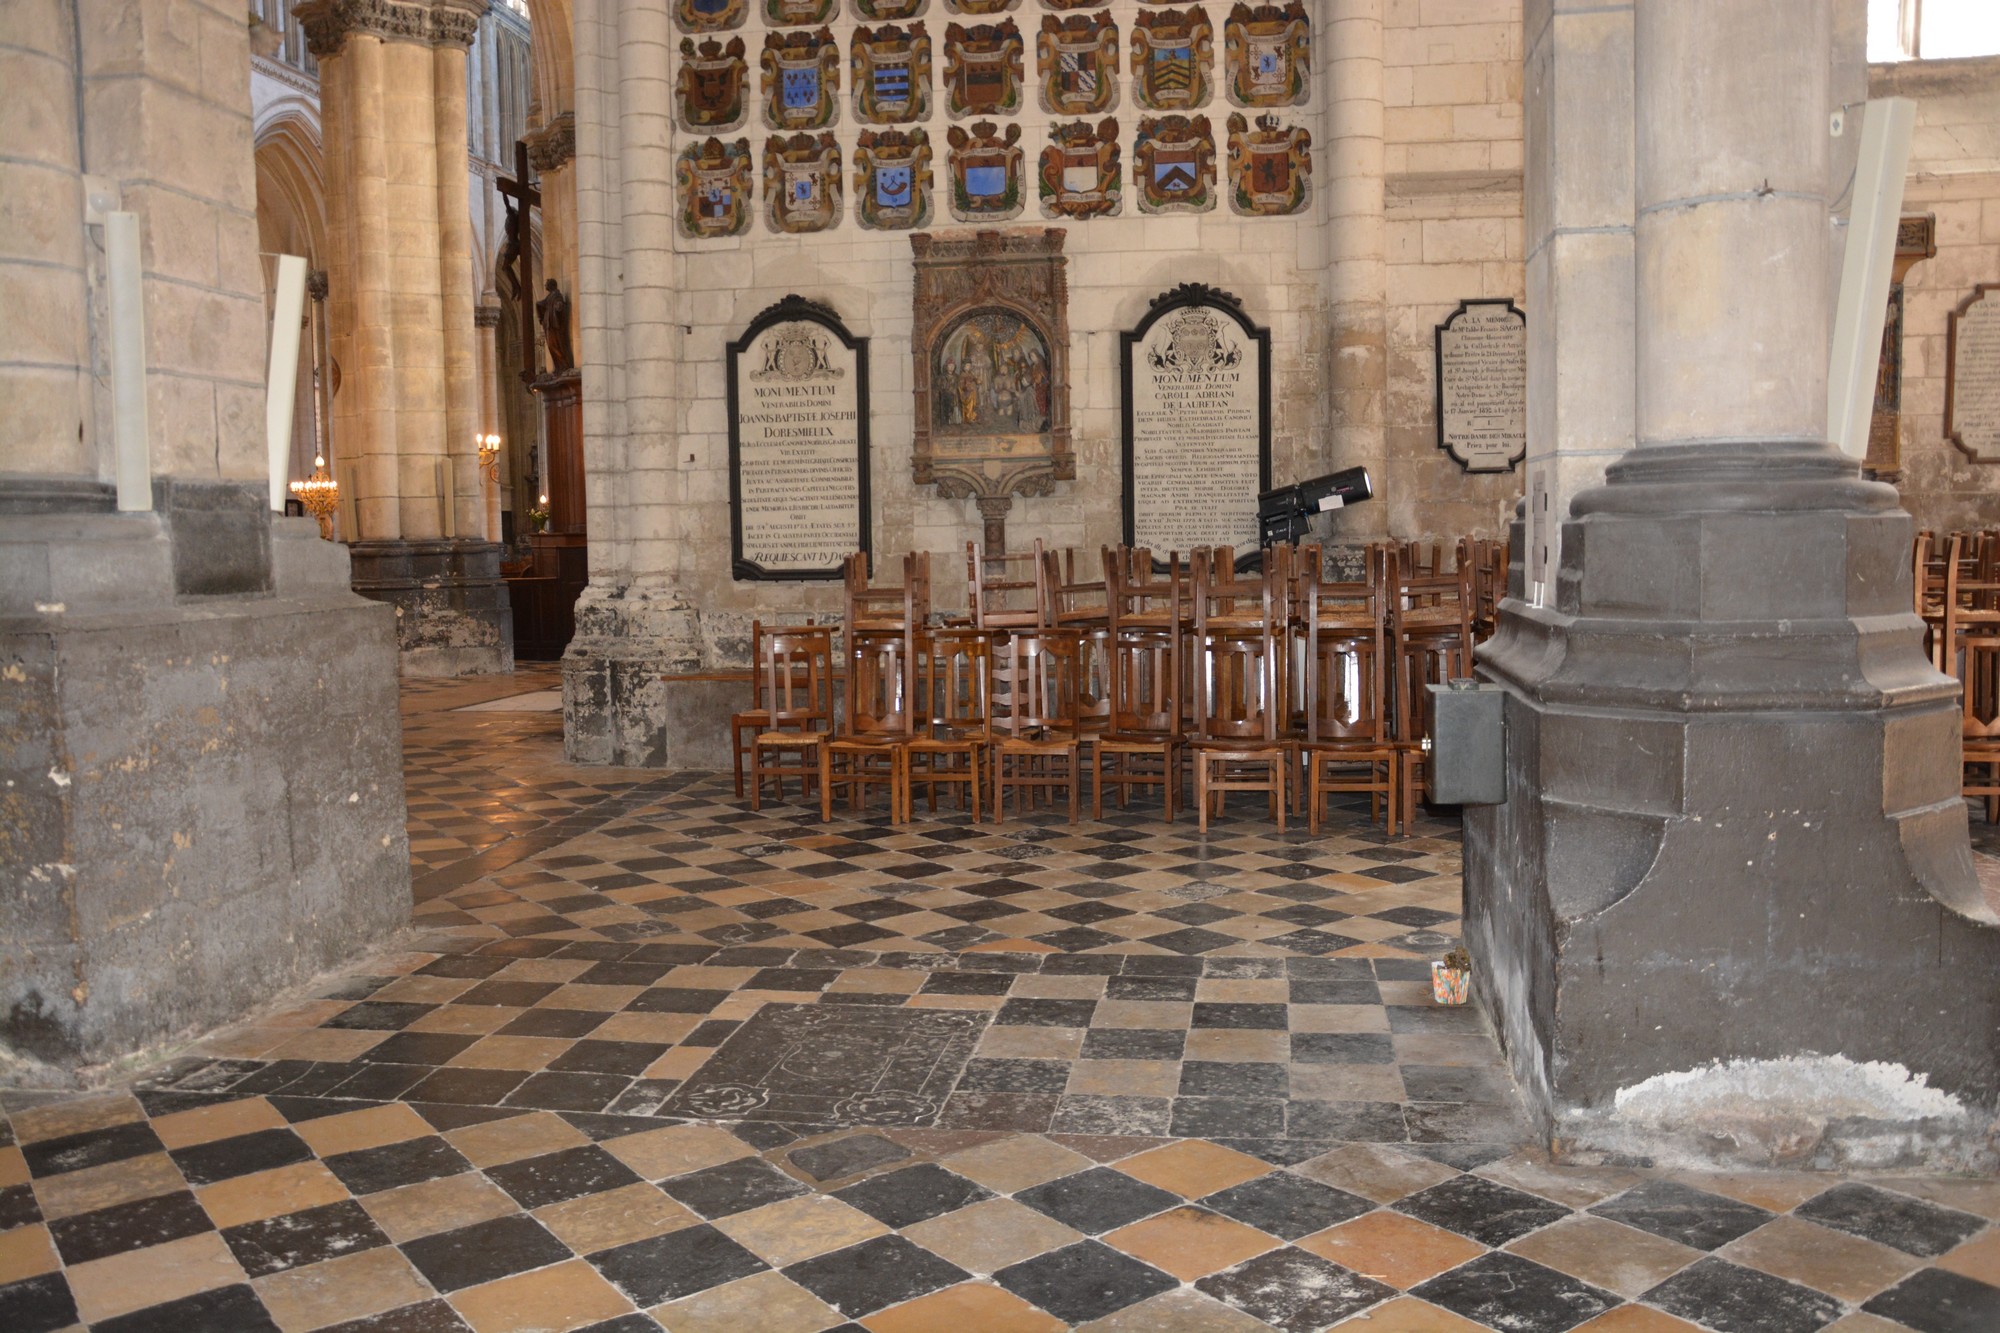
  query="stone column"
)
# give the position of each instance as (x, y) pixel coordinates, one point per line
(455, 32)
(1349, 46)
(486, 319)
(1728, 908)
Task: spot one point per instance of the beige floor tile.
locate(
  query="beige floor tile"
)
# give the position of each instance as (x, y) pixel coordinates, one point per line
(988, 1236)
(1864, 1323)
(353, 1286)
(1035, 986)
(1376, 1171)
(497, 1052)
(1125, 1078)
(1577, 1186)
(1606, 1254)
(354, 1130)
(1191, 1242)
(558, 970)
(1183, 1311)
(547, 1300)
(518, 1137)
(1392, 1248)
(335, 1045)
(1981, 1197)
(465, 1019)
(1193, 1168)
(766, 1303)
(75, 1115)
(1026, 1043)
(432, 1206)
(242, 1043)
(97, 1187)
(1637, 1319)
(206, 1124)
(1431, 1048)
(105, 1288)
(1243, 990)
(1407, 1314)
(13, 1167)
(1779, 1191)
(615, 1217)
(680, 1062)
(424, 990)
(1016, 1162)
(790, 1230)
(273, 1193)
(1821, 1258)
(1345, 1018)
(1154, 1014)
(1978, 1258)
(26, 1252)
(603, 999)
(970, 1305)
(646, 1027)
(659, 1153)
(1348, 1083)
(1238, 1044)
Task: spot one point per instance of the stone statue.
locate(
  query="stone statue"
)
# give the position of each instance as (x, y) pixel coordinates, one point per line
(553, 310)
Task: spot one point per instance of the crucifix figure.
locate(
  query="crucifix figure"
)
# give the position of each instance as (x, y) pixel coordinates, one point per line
(522, 196)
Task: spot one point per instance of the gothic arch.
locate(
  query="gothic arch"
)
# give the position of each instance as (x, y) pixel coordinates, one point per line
(550, 51)
(291, 183)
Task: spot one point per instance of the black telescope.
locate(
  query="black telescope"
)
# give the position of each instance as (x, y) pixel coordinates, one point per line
(1283, 513)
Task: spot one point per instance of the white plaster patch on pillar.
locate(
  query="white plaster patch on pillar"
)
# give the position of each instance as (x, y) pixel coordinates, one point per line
(1350, 49)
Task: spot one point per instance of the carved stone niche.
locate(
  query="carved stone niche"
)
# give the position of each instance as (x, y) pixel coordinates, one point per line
(991, 343)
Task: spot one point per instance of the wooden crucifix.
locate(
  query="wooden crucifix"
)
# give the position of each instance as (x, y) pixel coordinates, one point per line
(522, 196)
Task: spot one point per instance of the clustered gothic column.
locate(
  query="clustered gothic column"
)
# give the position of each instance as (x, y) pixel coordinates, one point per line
(393, 118)
(1728, 908)
(1350, 47)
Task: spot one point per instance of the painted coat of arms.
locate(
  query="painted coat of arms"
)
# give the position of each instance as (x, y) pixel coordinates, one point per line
(892, 75)
(1270, 55)
(982, 70)
(711, 83)
(715, 188)
(1270, 167)
(1173, 164)
(1080, 177)
(801, 80)
(874, 11)
(985, 172)
(1077, 58)
(792, 13)
(802, 190)
(1172, 54)
(892, 179)
(986, 6)
(710, 15)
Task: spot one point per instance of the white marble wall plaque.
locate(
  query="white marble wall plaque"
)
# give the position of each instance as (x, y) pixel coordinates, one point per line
(1197, 423)
(1482, 385)
(798, 444)
(1972, 375)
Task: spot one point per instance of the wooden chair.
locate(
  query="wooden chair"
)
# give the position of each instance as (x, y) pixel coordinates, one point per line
(953, 729)
(1071, 603)
(871, 747)
(1430, 629)
(886, 607)
(1979, 660)
(1141, 744)
(796, 666)
(1038, 726)
(1347, 746)
(1239, 741)
(1005, 589)
(744, 726)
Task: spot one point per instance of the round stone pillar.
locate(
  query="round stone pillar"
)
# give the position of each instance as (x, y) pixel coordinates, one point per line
(1350, 47)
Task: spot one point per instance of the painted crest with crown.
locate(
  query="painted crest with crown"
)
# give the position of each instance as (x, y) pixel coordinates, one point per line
(984, 7)
(1270, 167)
(1077, 58)
(1080, 177)
(1270, 55)
(985, 172)
(797, 13)
(710, 15)
(892, 179)
(892, 75)
(712, 97)
(1173, 55)
(1173, 164)
(801, 80)
(875, 11)
(982, 70)
(802, 188)
(714, 180)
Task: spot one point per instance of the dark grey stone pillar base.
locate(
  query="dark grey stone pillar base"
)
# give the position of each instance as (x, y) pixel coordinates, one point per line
(617, 709)
(452, 613)
(203, 793)
(1729, 911)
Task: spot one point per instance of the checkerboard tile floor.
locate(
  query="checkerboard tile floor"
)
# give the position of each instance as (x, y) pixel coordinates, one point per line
(1117, 1077)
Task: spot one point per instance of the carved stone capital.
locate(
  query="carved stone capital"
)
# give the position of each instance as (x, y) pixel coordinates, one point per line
(328, 23)
(486, 317)
(553, 145)
(316, 284)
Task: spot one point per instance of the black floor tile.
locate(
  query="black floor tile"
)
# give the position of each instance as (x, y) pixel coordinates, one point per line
(1458, 1083)
(1192, 940)
(1293, 1290)
(1911, 1225)
(1343, 1048)
(1336, 990)
(1170, 989)
(569, 1174)
(1084, 1113)
(1097, 1200)
(1046, 1013)
(18, 1207)
(298, 1239)
(967, 983)
(484, 1252)
(677, 1000)
(417, 1048)
(903, 1198)
(235, 1309)
(1682, 1213)
(568, 1091)
(1731, 1299)
(1505, 1291)
(875, 1274)
(629, 1323)
(1020, 1112)
(1216, 1014)
(1459, 1021)
(405, 1163)
(225, 1159)
(1286, 1205)
(844, 1157)
(1228, 1117)
(1362, 1122)
(424, 1317)
(467, 1087)
(37, 1305)
(1133, 1044)
(680, 1263)
(1208, 1078)
(1084, 1281)
(1489, 1212)
(1004, 1075)
(128, 1226)
(96, 1147)
(733, 1187)
(608, 1057)
(380, 1015)
(1935, 1301)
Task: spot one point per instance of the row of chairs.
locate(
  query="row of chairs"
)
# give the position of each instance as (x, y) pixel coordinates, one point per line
(1277, 680)
(1957, 590)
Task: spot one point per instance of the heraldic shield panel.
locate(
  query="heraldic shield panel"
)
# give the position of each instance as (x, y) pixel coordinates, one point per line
(875, 11)
(711, 96)
(1270, 167)
(892, 75)
(794, 13)
(714, 182)
(1270, 55)
(710, 15)
(982, 70)
(892, 179)
(1080, 176)
(1077, 61)
(1173, 165)
(985, 172)
(801, 80)
(802, 188)
(1173, 58)
(982, 7)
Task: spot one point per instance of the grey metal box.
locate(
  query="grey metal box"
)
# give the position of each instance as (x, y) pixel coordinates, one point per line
(1468, 759)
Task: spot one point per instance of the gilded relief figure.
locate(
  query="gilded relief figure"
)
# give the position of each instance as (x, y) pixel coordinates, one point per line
(991, 377)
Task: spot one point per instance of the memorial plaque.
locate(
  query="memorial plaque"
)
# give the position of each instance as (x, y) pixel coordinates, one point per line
(1197, 381)
(798, 444)
(1482, 385)
(1972, 375)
